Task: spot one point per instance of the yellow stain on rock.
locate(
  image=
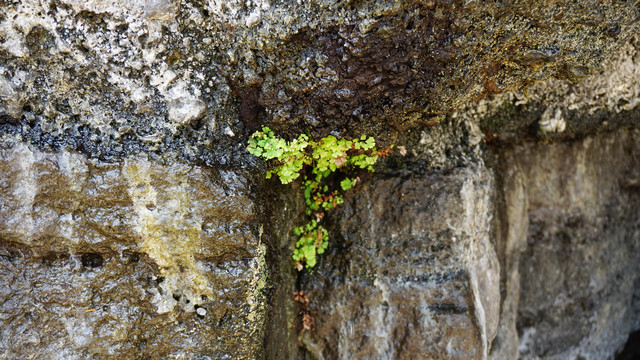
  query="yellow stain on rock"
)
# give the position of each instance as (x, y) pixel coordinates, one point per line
(169, 230)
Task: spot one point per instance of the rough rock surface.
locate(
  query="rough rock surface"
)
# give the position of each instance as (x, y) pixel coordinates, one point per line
(572, 235)
(134, 224)
(563, 110)
(110, 78)
(418, 277)
(128, 260)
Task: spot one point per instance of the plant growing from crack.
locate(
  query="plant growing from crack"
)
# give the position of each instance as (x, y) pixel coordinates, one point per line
(316, 162)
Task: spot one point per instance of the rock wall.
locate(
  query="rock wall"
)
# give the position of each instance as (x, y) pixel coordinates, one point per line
(416, 270)
(418, 277)
(112, 78)
(570, 240)
(132, 259)
(133, 223)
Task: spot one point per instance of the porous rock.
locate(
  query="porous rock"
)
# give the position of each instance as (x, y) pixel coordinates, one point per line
(112, 259)
(126, 204)
(111, 69)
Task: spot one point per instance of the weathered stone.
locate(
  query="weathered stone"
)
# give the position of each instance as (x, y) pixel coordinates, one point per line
(111, 70)
(510, 233)
(572, 248)
(563, 110)
(285, 209)
(131, 259)
(418, 277)
(125, 204)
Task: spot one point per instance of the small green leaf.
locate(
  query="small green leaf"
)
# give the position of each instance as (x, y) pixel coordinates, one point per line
(346, 184)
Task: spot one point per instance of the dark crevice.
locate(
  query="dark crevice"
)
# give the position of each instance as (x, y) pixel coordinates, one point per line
(631, 350)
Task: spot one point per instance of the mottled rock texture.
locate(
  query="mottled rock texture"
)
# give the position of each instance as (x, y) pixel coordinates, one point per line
(417, 277)
(571, 232)
(133, 224)
(113, 77)
(127, 260)
(563, 110)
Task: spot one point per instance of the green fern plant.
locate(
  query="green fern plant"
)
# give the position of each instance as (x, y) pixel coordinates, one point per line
(316, 161)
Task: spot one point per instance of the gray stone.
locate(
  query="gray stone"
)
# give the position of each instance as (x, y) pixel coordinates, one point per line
(562, 110)
(571, 247)
(185, 107)
(163, 10)
(133, 223)
(106, 69)
(418, 278)
(10, 101)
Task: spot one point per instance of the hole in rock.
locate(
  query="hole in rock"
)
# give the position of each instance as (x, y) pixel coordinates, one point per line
(92, 260)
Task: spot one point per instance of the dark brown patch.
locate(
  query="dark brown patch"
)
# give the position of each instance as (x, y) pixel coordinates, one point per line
(249, 107)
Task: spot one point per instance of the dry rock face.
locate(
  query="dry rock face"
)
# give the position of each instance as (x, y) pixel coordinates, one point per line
(504, 224)
(418, 277)
(573, 237)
